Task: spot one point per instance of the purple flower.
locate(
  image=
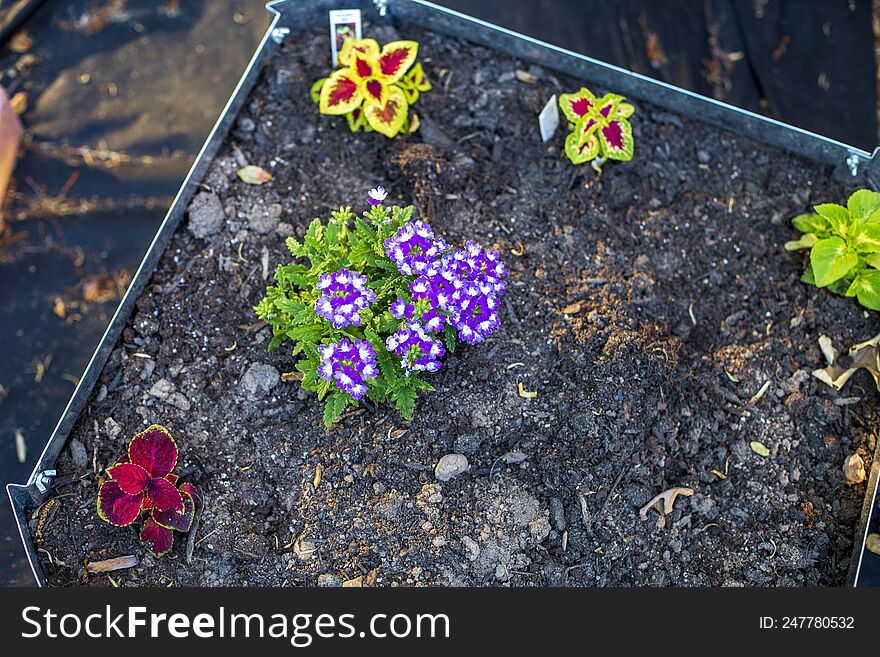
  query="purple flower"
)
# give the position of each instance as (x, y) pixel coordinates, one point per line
(475, 315)
(431, 319)
(377, 195)
(418, 351)
(344, 294)
(348, 365)
(414, 248)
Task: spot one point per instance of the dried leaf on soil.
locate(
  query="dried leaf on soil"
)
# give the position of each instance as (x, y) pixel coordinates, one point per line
(525, 394)
(357, 582)
(872, 542)
(664, 502)
(865, 355)
(525, 76)
(254, 175)
(317, 480)
(759, 448)
(20, 446)
(21, 42)
(109, 565)
(854, 469)
(19, 102)
(572, 308)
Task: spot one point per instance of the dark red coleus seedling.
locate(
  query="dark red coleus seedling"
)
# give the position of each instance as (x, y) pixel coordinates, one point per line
(143, 482)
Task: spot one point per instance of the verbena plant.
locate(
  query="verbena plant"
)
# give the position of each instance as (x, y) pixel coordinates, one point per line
(375, 88)
(142, 483)
(371, 304)
(599, 127)
(844, 245)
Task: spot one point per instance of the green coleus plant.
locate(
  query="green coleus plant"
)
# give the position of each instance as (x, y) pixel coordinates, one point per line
(374, 89)
(599, 127)
(372, 304)
(844, 244)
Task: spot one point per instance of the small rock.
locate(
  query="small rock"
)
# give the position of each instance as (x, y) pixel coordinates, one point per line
(178, 400)
(284, 229)
(472, 546)
(305, 550)
(113, 428)
(329, 580)
(557, 514)
(467, 444)
(205, 215)
(78, 454)
(703, 157)
(265, 220)
(259, 379)
(162, 389)
(854, 470)
(451, 466)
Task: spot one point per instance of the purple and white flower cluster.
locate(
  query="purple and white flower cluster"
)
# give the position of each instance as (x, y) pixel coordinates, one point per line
(414, 249)
(349, 365)
(419, 351)
(460, 286)
(344, 294)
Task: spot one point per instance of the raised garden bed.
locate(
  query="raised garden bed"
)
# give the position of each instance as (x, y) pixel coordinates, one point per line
(645, 307)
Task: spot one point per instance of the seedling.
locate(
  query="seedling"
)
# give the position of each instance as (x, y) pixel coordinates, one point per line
(844, 244)
(375, 88)
(373, 303)
(142, 483)
(599, 127)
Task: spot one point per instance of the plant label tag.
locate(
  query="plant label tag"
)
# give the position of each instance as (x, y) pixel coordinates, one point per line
(548, 119)
(344, 24)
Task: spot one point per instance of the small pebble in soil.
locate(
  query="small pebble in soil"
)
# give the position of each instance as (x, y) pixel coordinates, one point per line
(205, 215)
(451, 466)
(259, 379)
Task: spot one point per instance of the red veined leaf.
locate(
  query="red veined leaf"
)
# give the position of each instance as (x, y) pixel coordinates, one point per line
(396, 58)
(417, 79)
(164, 495)
(617, 140)
(586, 150)
(577, 105)
(115, 506)
(192, 491)
(374, 91)
(148, 503)
(390, 117)
(132, 479)
(340, 93)
(362, 66)
(156, 539)
(411, 93)
(182, 522)
(368, 47)
(356, 119)
(154, 450)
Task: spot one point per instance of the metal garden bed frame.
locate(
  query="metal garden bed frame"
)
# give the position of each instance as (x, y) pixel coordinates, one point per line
(289, 17)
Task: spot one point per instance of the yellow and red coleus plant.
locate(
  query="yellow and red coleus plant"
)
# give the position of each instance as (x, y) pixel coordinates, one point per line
(375, 87)
(599, 127)
(142, 483)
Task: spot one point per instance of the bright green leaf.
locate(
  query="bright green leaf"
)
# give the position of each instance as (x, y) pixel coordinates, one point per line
(863, 203)
(838, 217)
(831, 260)
(811, 222)
(805, 242)
(866, 287)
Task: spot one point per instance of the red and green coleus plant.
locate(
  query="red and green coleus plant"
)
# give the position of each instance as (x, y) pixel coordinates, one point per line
(844, 244)
(599, 127)
(142, 483)
(375, 88)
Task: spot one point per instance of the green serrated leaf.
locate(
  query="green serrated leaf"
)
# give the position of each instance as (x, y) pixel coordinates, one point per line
(863, 203)
(831, 260)
(866, 288)
(838, 217)
(811, 222)
(334, 406)
(805, 242)
(866, 237)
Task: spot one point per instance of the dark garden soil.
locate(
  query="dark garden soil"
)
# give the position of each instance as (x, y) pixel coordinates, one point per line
(645, 307)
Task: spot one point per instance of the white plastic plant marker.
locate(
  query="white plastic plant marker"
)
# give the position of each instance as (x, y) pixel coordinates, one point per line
(344, 23)
(548, 119)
